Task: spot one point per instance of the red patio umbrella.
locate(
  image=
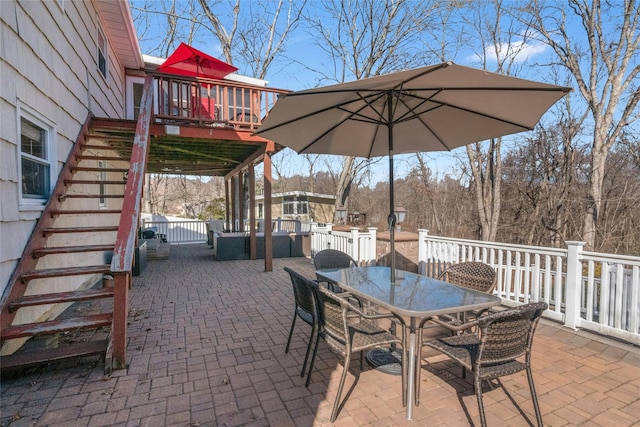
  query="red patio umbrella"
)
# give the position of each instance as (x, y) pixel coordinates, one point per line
(190, 62)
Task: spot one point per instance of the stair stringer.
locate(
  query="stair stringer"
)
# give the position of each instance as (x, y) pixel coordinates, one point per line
(65, 197)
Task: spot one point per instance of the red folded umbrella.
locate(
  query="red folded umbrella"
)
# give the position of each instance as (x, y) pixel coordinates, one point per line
(190, 62)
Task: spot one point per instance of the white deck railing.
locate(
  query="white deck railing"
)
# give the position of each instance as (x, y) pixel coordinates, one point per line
(594, 291)
(192, 231)
(361, 246)
(177, 232)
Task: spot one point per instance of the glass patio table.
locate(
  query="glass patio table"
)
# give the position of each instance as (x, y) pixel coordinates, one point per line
(412, 296)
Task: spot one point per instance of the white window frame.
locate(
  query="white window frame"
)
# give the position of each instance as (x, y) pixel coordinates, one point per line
(99, 51)
(297, 204)
(27, 113)
(130, 106)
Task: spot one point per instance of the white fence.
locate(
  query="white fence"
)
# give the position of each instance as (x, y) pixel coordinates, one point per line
(594, 291)
(361, 246)
(179, 231)
(176, 232)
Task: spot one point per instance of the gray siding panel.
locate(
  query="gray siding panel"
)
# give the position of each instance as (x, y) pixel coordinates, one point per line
(48, 54)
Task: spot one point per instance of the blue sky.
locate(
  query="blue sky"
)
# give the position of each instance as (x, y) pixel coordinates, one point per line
(288, 72)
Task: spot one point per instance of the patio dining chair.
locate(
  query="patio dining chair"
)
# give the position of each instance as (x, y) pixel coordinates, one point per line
(472, 275)
(331, 258)
(502, 347)
(347, 330)
(306, 309)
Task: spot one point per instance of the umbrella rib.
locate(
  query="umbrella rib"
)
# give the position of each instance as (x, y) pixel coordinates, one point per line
(413, 113)
(477, 113)
(311, 114)
(353, 113)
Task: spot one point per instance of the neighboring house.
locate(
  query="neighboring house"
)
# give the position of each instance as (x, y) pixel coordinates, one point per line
(73, 158)
(302, 205)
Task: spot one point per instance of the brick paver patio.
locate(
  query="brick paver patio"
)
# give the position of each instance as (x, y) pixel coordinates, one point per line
(206, 348)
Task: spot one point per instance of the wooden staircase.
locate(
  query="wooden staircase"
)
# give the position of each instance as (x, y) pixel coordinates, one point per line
(66, 258)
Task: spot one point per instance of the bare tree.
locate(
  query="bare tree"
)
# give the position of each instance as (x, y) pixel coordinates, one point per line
(255, 31)
(500, 50)
(604, 63)
(177, 17)
(365, 38)
(251, 34)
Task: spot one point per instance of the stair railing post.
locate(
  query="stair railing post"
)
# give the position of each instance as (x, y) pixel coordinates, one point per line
(122, 283)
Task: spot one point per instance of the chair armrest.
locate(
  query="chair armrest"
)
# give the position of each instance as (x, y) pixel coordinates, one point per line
(453, 325)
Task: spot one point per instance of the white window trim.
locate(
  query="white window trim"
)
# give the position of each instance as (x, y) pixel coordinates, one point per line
(130, 81)
(99, 33)
(24, 111)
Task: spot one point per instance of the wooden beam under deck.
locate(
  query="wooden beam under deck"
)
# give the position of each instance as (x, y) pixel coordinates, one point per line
(160, 130)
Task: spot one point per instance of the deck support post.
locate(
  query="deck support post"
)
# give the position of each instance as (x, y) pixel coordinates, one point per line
(252, 212)
(268, 224)
(122, 282)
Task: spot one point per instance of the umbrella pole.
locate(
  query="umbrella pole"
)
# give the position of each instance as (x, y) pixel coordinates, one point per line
(392, 215)
(392, 221)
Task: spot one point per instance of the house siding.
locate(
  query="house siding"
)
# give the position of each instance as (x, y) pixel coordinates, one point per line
(47, 63)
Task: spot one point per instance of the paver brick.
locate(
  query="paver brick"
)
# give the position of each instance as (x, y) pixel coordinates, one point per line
(206, 348)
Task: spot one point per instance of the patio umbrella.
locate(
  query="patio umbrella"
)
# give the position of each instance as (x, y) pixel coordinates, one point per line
(189, 61)
(435, 108)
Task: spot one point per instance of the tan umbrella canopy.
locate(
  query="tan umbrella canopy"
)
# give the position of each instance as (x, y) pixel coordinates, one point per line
(435, 108)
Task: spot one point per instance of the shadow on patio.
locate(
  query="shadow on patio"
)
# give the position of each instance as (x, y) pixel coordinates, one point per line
(206, 348)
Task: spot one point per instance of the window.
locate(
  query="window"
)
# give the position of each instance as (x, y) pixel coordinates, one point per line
(138, 88)
(133, 94)
(295, 205)
(35, 162)
(102, 177)
(102, 53)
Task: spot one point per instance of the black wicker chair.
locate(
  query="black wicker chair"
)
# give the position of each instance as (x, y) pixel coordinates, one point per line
(331, 258)
(306, 308)
(503, 347)
(346, 334)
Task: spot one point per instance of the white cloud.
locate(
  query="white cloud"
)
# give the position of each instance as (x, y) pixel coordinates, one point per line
(519, 51)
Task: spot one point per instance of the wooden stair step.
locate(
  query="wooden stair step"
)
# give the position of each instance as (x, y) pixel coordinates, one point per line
(95, 157)
(38, 357)
(97, 169)
(85, 212)
(68, 182)
(63, 230)
(59, 297)
(62, 197)
(115, 148)
(56, 326)
(40, 252)
(68, 271)
(103, 133)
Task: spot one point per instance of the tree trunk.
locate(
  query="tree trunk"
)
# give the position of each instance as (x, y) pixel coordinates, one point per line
(486, 172)
(344, 182)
